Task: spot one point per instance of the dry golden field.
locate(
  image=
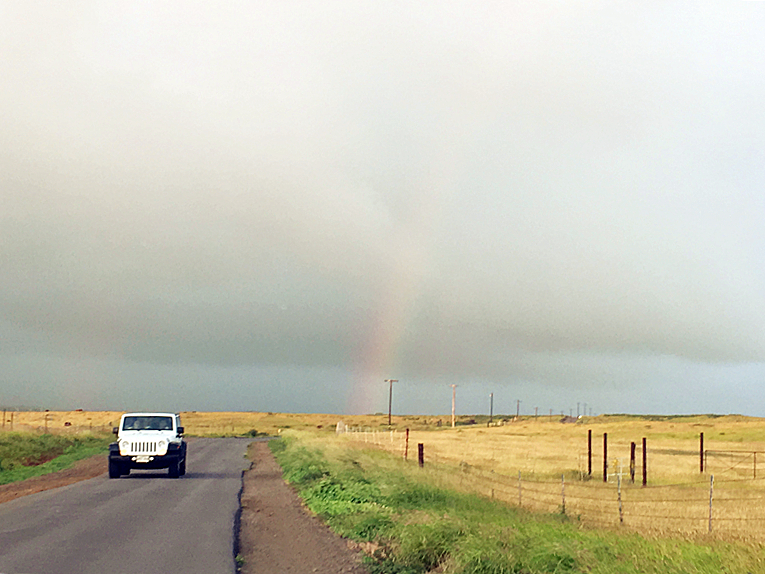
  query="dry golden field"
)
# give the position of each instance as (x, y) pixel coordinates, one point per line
(547, 456)
(195, 423)
(543, 465)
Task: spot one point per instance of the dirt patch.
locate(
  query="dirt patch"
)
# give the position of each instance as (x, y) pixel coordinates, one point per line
(81, 470)
(278, 534)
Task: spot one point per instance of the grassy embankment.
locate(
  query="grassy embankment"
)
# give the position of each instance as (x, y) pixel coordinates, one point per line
(409, 525)
(25, 455)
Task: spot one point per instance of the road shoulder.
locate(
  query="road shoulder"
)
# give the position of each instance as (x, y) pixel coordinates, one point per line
(278, 534)
(81, 470)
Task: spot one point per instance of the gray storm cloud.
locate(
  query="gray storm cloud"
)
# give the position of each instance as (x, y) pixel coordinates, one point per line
(437, 190)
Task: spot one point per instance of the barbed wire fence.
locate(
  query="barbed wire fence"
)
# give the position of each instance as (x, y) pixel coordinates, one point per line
(45, 422)
(726, 501)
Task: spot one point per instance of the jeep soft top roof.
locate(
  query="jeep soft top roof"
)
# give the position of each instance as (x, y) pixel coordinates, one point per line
(148, 414)
(150, 422)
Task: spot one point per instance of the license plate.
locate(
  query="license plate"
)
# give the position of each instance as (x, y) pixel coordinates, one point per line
(142, 458)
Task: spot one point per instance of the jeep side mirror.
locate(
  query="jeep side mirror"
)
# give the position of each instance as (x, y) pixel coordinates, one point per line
(180, 430)
(115, 430)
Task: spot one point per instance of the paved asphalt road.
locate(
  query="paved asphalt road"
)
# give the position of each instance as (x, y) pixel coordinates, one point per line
(144, 523)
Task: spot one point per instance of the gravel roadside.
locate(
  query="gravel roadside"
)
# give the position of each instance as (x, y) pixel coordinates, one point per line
(277, 532)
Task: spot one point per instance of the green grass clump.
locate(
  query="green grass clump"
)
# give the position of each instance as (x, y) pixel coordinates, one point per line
(24, 455)
(301, 466)
(26, 449)
(415, 527)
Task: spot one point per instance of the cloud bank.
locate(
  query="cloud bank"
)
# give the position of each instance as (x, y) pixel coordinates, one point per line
(505, 193)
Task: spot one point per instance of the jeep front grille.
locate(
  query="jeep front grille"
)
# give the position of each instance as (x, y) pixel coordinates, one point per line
(143, 447)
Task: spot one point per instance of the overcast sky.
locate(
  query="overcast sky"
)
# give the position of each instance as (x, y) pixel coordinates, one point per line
(275, 206)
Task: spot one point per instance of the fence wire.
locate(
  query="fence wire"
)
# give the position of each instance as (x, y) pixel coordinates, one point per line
(733, 508)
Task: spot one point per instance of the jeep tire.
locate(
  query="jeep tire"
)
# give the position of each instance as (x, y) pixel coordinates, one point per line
(174, 470)
(115, 470)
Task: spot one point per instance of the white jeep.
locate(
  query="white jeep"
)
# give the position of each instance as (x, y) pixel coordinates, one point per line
(148, 440)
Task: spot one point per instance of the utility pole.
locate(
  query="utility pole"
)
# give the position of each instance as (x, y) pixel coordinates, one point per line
(491, 407)
(390, 396)
(454, 401)
(518, 409)
(577, 410)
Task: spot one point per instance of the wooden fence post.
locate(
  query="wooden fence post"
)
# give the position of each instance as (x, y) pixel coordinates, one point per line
(645, 464)
(563, 493)
(589, 452)
(605, 457)
(632, 462)
(701, 453)
(406, 448)
(421, 454)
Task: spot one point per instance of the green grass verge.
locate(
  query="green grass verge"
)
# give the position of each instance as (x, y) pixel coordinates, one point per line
(25, 455)
(415, 527)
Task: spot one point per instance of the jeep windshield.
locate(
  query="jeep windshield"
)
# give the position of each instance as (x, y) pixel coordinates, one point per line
(147, 423)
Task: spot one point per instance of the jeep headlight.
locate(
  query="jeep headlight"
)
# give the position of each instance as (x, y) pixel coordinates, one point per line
(161, 447)
(124, 446)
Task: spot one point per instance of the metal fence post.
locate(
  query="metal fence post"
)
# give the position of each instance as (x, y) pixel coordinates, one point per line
(619, 495)
(711, 491)
(519, 489)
